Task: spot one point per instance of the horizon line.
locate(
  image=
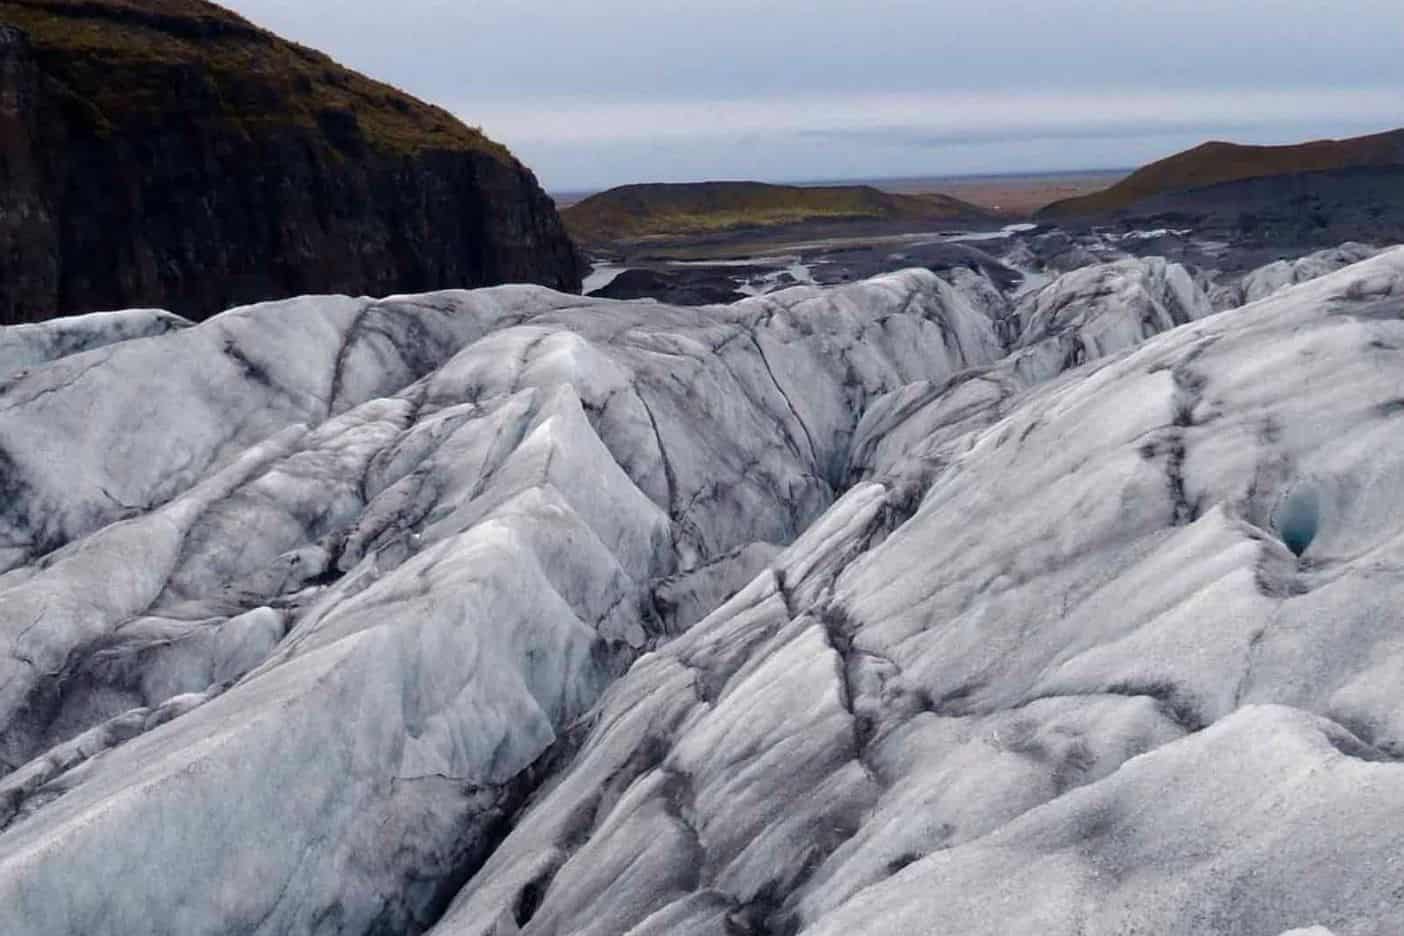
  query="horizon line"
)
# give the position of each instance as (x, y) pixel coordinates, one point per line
(854, 180)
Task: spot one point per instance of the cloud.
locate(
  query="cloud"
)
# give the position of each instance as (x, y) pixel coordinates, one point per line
(937, 118)
(593, 92)
(917, 137)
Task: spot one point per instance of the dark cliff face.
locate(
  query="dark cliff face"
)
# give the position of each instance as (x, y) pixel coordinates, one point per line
(168, 153)
(28, 236)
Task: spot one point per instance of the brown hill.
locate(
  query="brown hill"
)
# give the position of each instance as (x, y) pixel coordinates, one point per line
(1217, 163)
(169, 152)
(640, 212)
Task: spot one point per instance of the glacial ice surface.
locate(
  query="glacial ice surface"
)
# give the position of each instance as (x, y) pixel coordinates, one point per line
(888, 608)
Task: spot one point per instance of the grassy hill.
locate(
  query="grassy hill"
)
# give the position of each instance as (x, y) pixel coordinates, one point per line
(639, 212)
(1216, 163)
(118, 59)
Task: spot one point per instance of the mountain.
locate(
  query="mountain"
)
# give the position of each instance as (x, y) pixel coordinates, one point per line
(636, 212)
(1216, 163)
(1316, 189)
(881, 609)
(169, 153)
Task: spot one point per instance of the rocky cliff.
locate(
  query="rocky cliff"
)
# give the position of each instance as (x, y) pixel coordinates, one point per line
(168, 152)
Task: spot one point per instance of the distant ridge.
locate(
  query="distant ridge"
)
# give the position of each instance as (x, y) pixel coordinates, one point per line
(636, 212)
(1217, 163)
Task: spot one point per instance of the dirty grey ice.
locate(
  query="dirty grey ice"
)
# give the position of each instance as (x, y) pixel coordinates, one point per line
(916, 605)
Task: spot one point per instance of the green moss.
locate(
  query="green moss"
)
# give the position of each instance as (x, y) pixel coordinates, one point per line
(641, 212)
(126, 59)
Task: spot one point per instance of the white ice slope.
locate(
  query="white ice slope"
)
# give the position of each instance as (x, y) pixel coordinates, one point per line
(1086, 687)
(341, 631)
(24, 346)
(1274, 277)
(298, 596)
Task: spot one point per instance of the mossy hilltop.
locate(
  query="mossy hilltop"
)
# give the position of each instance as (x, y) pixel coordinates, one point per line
(654, 211)
(117, 57)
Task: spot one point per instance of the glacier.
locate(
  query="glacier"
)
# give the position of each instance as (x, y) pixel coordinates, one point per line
(913, 605)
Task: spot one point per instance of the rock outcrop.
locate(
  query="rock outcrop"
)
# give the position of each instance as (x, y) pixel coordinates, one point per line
(168, 153)
(512, 612)
(675, 286)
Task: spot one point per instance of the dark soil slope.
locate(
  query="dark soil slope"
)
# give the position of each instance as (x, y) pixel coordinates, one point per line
(1215, 165)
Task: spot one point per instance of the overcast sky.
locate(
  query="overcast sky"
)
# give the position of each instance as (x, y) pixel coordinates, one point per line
(598, 93)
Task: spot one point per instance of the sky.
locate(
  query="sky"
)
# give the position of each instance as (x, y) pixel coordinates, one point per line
(601, 93)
